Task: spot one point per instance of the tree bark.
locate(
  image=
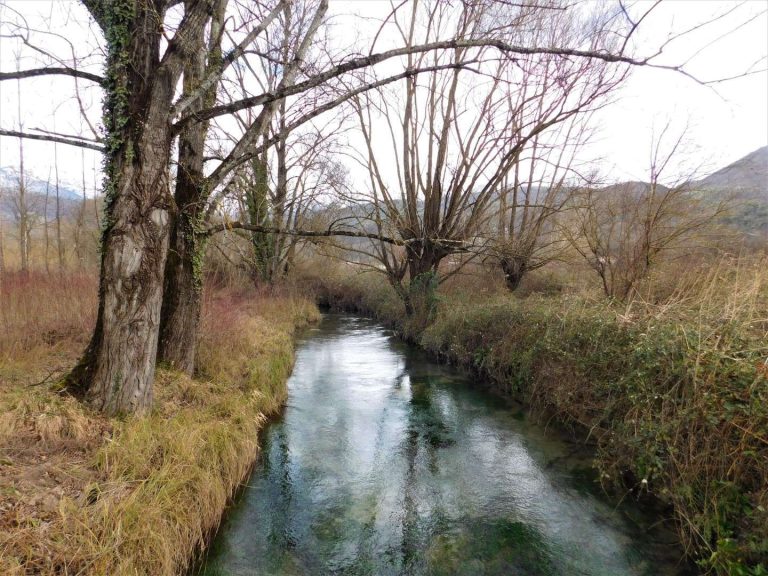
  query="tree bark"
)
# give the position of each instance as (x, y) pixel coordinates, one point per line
(514, 270)
(257, 201)
(182, 300)
(423, 261)
(117, 370)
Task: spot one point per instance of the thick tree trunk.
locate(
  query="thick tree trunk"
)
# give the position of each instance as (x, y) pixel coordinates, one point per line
(514, 270)
(182, 300)
(117, 370)
(423, 262)
(423, 258)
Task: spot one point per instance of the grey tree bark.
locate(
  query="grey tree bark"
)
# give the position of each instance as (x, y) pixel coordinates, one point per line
(117, 370)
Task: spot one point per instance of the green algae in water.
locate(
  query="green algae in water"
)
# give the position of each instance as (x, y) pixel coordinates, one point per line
(500, 547)
(385, 463)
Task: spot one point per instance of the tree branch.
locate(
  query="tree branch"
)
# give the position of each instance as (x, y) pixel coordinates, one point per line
(373, 59)
(231, 162)
(237, 225)
(51, 72)
(45, 138)
(453, 245)
(218, 69)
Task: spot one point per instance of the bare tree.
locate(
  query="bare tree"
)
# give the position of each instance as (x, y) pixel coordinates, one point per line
(287, 195)
(59, 243)
(624, 230)
(149, 47)
(457, 134)
(47, 240)
(531, 203)
(183, 280)
(21, 209)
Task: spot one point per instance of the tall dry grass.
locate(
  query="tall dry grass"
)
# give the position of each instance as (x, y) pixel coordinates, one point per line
(83, 494)
(45, 321)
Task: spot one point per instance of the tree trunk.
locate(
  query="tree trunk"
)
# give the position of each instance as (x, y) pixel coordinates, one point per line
(45, 226)
(23, 212)
(117, 370)
(514, 270)
(423, 261)
(182, 301)
(257, 200)
(59, 243)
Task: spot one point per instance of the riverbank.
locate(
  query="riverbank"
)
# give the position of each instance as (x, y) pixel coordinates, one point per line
(387, 462)
(84, 494)
(674, 398)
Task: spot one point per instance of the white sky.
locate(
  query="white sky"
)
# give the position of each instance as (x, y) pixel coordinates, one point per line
(725, 121)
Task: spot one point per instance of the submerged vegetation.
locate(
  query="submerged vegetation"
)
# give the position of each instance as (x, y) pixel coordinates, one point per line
(87, 494)
(674, 393)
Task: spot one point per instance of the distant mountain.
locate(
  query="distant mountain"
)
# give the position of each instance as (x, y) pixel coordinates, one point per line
(632, 188)
(9, 180)
(746, 182)
(747, 177)
(70, 198)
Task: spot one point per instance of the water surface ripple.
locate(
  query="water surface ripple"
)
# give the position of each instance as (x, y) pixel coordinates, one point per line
(385, 462)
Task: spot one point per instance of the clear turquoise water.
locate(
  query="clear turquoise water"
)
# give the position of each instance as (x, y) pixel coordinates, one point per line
(385, 462)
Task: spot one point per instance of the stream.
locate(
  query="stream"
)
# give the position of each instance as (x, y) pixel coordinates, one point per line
(385, 462)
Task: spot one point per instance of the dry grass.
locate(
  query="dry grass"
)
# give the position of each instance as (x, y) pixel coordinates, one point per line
(45, 322)
(82, 494)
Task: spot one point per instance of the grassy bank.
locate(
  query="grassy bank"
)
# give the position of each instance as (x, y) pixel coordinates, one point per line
(83, 494)
(674, 395)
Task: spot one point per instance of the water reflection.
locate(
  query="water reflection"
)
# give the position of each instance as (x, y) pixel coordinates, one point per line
(386, 463)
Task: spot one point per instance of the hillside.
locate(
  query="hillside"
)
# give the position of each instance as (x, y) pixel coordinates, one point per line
(747, 177)
(70, 197)
(9, 179)
(747, 181)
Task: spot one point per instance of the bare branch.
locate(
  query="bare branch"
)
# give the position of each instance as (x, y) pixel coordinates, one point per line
(373, 59)
(46, 138)
(62, 135)
(215, 73)
(230, 163)
(304, 233)
(51, 72)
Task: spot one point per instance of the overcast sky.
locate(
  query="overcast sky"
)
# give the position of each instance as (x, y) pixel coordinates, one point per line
(725, 121)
